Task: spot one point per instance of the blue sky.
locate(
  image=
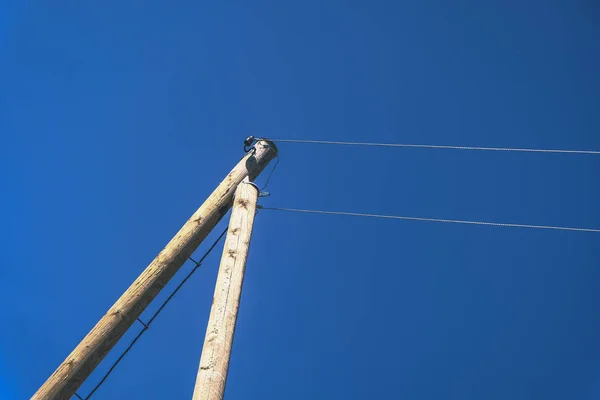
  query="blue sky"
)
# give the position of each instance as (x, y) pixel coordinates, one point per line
(117, 120)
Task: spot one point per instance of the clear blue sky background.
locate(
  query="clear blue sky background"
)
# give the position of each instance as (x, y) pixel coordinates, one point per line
(117, 119)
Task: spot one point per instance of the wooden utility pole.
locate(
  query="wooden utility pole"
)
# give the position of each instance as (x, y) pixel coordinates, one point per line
(214, 362)
(64, 382)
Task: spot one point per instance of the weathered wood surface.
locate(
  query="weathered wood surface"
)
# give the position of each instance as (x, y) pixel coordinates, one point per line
(214, 362)
(65, 381)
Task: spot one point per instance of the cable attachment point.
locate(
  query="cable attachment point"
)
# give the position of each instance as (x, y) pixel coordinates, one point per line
(248, 143)
(260, 193)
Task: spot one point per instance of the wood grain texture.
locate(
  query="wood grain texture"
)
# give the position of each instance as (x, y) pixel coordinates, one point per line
(65, 381)
(214, 362)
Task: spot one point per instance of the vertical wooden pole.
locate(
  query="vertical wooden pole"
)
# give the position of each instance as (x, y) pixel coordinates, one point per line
(63, 383)
(214, 362)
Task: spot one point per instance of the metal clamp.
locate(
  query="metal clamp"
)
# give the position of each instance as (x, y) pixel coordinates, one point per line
(260, 193)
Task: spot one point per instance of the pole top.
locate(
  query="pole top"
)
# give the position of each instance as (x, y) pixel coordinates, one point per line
(252, 141)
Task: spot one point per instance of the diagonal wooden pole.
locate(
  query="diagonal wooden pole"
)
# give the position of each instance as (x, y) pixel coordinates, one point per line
(214, 362)
(64, 382)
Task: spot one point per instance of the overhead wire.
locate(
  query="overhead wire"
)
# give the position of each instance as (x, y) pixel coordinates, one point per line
(431, 146)
(442, 220)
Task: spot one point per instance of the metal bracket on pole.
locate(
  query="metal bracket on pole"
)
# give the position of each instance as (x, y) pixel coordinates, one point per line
(260, 193)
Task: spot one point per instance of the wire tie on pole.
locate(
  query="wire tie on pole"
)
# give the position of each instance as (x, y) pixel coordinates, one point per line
(142, 322)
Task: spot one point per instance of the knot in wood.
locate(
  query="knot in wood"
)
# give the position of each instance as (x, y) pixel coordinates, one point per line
(243, 203)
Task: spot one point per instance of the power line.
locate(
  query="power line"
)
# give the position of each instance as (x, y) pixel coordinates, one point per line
(147, 325)
(431, 146)
(452, 221)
